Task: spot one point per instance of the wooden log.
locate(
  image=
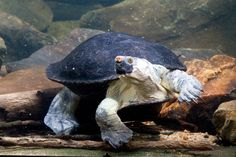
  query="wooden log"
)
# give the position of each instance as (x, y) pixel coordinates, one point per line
(177, 140)
(14, 124)
(26, 105)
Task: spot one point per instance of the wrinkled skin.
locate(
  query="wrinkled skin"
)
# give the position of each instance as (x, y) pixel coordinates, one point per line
(145, 83)
(139, 82)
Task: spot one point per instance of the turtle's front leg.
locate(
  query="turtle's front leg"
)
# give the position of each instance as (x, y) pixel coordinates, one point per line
(113, 130)
(188, 87)
(60, 117)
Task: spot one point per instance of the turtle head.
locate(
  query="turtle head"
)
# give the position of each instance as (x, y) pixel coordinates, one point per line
(124, 64)
(135, 68)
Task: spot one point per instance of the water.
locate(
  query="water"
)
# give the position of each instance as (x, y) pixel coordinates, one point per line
(188, 24)
(196, 29)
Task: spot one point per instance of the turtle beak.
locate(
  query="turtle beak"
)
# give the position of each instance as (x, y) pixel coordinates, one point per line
(122, 66)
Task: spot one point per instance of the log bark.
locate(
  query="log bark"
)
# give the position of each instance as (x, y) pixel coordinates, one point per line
(178, 140)
(26, 105)
(14, 124)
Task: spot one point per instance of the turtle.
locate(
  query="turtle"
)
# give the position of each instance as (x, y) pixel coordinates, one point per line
(125, 70)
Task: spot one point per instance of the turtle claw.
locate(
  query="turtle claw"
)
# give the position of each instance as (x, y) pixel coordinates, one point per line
(60, 125)
(117, 138)
(113, 130)
(190, 91)
(60, 117)
(195, 100)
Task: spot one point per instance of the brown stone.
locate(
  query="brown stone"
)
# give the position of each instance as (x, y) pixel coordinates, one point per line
(218, 76)
(26, 80)
(224, 119)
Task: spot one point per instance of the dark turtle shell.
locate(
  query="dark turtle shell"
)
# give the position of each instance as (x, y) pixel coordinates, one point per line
(91, 65)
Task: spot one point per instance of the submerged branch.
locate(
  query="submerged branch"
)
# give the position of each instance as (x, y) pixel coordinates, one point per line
(177, 140)
(9, 125)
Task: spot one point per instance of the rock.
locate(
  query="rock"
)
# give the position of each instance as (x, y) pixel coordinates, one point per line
(77, 8)
(85, 2)
(62, 28)
(53, 53)
(2, 44)
(26, 80)
(3, 51)
(21, 38)
(218, 76)
(61, 13)
(160, 18)
(218, 35)
(35, 12)
(186, 54)
(212, 74)
(193, 24)
(224, 119)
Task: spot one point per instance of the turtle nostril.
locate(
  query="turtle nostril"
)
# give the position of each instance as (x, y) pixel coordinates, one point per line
(119, 59)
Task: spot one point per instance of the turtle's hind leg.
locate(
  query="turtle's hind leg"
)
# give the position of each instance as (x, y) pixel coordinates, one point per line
(113, 130)
(60, 117)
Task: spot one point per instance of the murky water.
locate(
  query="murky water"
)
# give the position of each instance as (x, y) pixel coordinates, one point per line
(186, 24)
(193, 29)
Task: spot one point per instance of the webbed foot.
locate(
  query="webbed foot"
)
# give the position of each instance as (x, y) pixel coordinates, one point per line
(191, 90)
(60, 117)
(60, 125)
(188, 87)
(117, 137)
(113, 130)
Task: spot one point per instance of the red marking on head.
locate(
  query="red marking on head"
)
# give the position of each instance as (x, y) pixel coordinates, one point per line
(119, 59)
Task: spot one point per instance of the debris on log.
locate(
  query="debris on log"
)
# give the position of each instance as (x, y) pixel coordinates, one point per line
(177, 140)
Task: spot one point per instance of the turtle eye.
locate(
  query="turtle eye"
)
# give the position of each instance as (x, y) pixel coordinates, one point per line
(130, 60)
